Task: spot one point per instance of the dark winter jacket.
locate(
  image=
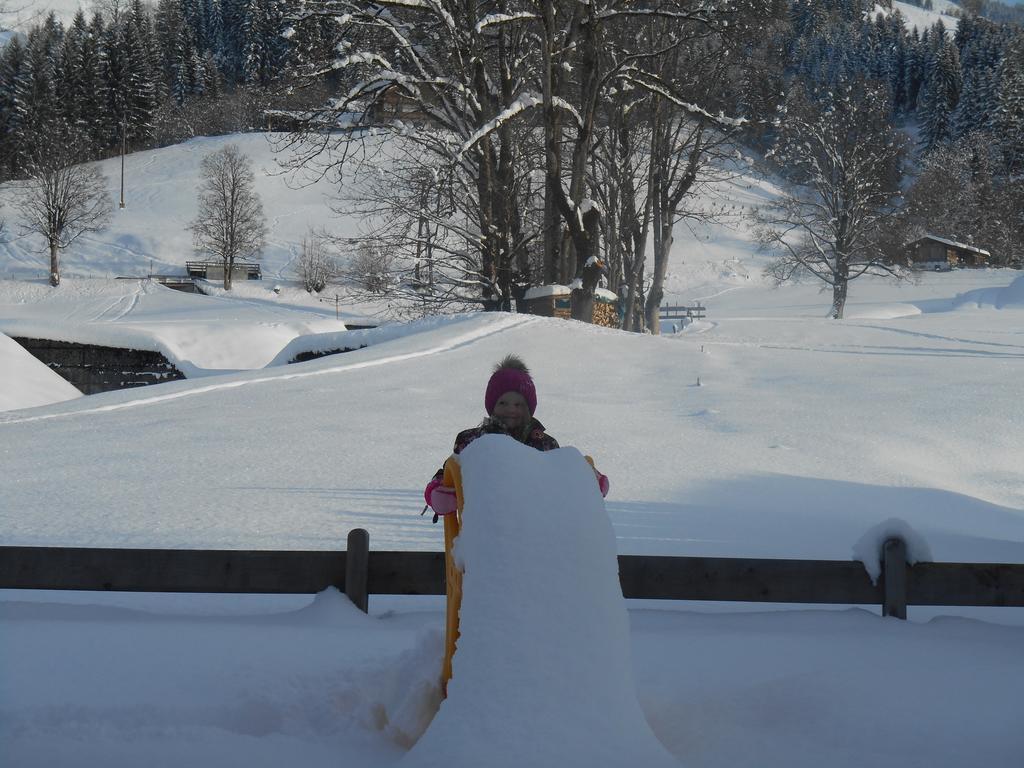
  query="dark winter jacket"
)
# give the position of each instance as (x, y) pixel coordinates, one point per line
(533, 435)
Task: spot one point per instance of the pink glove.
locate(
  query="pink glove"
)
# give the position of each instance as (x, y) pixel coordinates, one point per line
(441, 498)
(602, 483)
(434, 483)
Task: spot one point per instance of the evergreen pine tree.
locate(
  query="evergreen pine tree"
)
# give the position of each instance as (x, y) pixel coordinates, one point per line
(13, 72)
(68, 84)
(93, 97)
(1008, 119)
(116, 70)
(939, 96)
(913, 73)
(231, 49)
(142, 91)
(264, 46)
(183, 65)
(36, 92)
(167, 24)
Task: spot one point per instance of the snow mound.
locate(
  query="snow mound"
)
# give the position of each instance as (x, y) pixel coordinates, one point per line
(200, 335)
(1012, 296)
(882, 311)
(542, 675)
(868, 548)
(26, 382)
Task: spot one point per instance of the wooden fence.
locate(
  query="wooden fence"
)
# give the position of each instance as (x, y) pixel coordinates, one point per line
(696, 312)
(360, 572)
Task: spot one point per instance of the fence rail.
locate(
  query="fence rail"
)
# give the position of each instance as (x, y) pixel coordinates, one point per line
(360, 573)
(695, 312)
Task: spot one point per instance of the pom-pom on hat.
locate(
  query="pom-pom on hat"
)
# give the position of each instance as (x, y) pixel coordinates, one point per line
(510, 375)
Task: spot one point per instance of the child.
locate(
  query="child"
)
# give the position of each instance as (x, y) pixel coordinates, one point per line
(510, 400)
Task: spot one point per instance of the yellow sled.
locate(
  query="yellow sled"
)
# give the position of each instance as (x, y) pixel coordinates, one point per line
(452, 575)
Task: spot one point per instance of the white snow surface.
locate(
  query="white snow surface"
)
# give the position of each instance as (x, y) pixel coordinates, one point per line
(25, 382)
(150, 235)
(804, 437)
(199, 334)
(915, 16)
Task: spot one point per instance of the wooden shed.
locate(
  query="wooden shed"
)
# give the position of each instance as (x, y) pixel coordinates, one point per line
(939, 253)
(556, 301)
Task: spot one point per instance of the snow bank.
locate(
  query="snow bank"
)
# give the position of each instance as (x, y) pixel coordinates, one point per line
(542, 675)
(26, 382)
(1012, 296)
(868, 548)
(199, 334)
(365, 337)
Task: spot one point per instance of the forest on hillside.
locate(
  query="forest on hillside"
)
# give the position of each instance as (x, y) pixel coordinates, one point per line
(560, 142)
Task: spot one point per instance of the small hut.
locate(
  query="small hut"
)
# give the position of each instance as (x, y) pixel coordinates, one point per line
(556, 301)
(938, 253)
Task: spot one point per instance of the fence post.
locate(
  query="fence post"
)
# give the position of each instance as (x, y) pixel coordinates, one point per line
(894, 578)
(357, 567)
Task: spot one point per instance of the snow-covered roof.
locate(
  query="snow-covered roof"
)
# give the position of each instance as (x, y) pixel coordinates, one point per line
(955, 244)
(540, 291)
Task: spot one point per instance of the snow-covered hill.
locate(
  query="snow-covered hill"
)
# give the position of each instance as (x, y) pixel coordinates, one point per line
(150, 235)
(922, 19)
(27, 383)
(20, 16)
(766, 430)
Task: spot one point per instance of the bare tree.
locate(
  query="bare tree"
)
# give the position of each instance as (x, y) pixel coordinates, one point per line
(62, 201)
(230, 224)
(443, 80)
(370, 270)
(317, 265)
(621, 173)
(589, 52)
(833, 222)
(666, 136)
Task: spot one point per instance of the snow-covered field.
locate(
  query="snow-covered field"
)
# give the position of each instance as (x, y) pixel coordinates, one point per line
(766, 430)
(923, 19)
(150, 235)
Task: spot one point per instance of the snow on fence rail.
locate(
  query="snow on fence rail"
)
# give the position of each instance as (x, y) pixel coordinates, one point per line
(360, 572)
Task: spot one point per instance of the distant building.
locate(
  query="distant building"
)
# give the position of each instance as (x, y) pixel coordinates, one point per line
(931, 252)
(556, 301)
(393, 105)
(214, 270)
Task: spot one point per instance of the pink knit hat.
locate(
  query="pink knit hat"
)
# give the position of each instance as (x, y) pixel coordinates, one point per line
(510, 375)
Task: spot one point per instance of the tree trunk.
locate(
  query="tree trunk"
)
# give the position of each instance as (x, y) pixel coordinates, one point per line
(839, 288)
(591, 269)
(552, 153)
(229, 268)
(54, 265)
(634, 278)
(662, 248)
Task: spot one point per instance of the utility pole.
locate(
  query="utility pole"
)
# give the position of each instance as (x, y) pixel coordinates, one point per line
(124, 131)
(337, 305)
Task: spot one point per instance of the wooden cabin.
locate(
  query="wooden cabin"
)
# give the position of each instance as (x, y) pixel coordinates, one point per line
(940, 254)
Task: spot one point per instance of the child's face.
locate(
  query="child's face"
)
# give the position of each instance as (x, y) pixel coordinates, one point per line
(511, 410)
